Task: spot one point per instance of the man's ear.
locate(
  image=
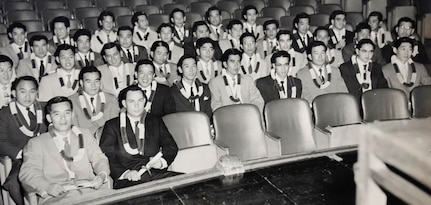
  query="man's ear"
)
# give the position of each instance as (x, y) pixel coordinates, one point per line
(180, 69)
(394, 50)
(48, 118)
(198, 52)
(123, 102)
(13, 93)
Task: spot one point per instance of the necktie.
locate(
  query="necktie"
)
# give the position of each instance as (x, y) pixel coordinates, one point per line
(137, 133)
(252, 30)
(20, 54)
(181, 34)
(67, 148)
(107, 36)
(92, 105)
(69, 84)
(304, 40)
(271, 44)
(250, 68)
(282, 87)
(191, 95)
(163, 69)
(41, 70)
(32, 118)
(87, 62)
(365, 71)
(129, 55)
(321, 75)
(218, 34)
(207, 69)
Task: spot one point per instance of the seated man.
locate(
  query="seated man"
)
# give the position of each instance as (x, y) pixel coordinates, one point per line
(93, 107)
(130, 53)
(360, 73)
(166, 72)
(40, 63)
(60, 27)
(84, 55)
(166, 34)
(143, 35)
(231, 87)
(8, 76)
(379, 35)
(59, 163)
(200, 30)
(63, 82)
(235, 30)
(319, 77)
(340, 37)
(18, 49)
(106, 33)
(334, 56)
(252, 63)
(249, 14)
(181, 31)
(160, 101)
(403, 73)
(189, 93)
(301, 34)
(19, 122)
(269, 43)
(207, 66)
(138, 145)
(214, 19)
(279, 85)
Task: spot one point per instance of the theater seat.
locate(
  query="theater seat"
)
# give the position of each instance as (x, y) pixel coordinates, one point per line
(273, 12)
(385, 104)
(103, 4)
(167, 8)
(5, 167)
(294, 10)
(199, 7)
(147, 9)
(291, 120)
(191, 132)
(421, 101)
(133, 3)
(239, 129)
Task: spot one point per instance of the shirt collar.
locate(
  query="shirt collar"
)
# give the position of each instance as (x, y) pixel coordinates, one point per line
(24, 109)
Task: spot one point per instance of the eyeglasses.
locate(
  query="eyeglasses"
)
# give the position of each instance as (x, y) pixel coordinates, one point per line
(405, 27)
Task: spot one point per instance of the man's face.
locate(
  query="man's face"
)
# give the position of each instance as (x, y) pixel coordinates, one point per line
(318, 55)
(40, 48)
(251, 16)
(91, 83)
(281, 66)
(5, 72)
(214, 18)
(339, 21)
(145, 75)
(112, 57)
(134, 103)
(178, 19)
(404, 51)
(25, 93)
(405, 29)
(323, 36)
(125, 38)
(160, 55)
(61, 116)
(249, 45)
(271, 31)
(233, 64)
(60, 30)
(66, 59)
(18, 36)
(374, 23)
(166, 34)
(236, 31)
(363, 34)
(189, 69)
(202, 32)
(285, 42)
(83, 44)
(107, 23)
(206, 52)
(303, 25)
(365, 53)
(142, 22)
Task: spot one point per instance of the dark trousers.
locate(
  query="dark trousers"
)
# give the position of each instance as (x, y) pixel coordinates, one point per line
(156, 174)
(13, 185)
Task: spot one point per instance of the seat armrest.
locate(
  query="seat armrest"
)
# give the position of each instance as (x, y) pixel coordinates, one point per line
(273, 144)
(321, 138)
(221, 148)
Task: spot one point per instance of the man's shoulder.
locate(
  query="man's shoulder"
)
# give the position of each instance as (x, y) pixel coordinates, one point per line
(264, 80)
(5, 112)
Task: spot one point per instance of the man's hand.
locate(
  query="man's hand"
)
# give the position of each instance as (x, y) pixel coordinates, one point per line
(157, 164)
(55, 190)
(132, 175)
(341, 44)
(98, 181)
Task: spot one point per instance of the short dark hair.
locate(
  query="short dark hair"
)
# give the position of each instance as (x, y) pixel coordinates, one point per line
(124, 28)
(283, 32)
(232, 23)
(363, 42)
(183, 58)
(123, 93)
(336, 13)
(15, 25)
(38, 37)
(246, 8)
(315, 44)
(136, 15)
(229, 52)
(200, 42)
(89, 69)
(60, 19)
(109, 46)
(144, 62)
(24, 78)
(320, 28)
(362, 26)
(398, 42)
(4, 58)
(102, 15)
(278, 54)
(175, 10)
(55, 100)
(246, 34)
(81, 32)
(406, 19)
(376, 13)
(212, 8)
(164, 25)
(196, 24)
(300, 16)
(63, 47)
(157, 44)
(269, 22)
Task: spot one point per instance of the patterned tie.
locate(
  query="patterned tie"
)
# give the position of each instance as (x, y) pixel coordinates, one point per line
(32, 118)
(365, 71)
(69, 83)
(41, 70)
(129, 56)
(92, 105)
(20, 54)
(250, 67)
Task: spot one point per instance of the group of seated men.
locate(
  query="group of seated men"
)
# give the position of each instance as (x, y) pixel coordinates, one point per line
(84, 111)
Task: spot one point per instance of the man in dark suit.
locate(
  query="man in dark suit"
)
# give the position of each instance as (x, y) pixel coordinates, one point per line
(189, 93)
(200, 30)
(301, 34)
(130, 53)
(160, 101)
(84, 56)
(60, 27)
(278, 85)
(360, 73)
(340, 37)
(20, 121)
(138, 145)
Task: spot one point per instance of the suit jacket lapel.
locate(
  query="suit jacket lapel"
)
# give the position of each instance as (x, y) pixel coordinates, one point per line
(52, 148)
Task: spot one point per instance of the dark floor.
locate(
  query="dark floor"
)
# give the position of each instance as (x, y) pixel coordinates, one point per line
(314, 181)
